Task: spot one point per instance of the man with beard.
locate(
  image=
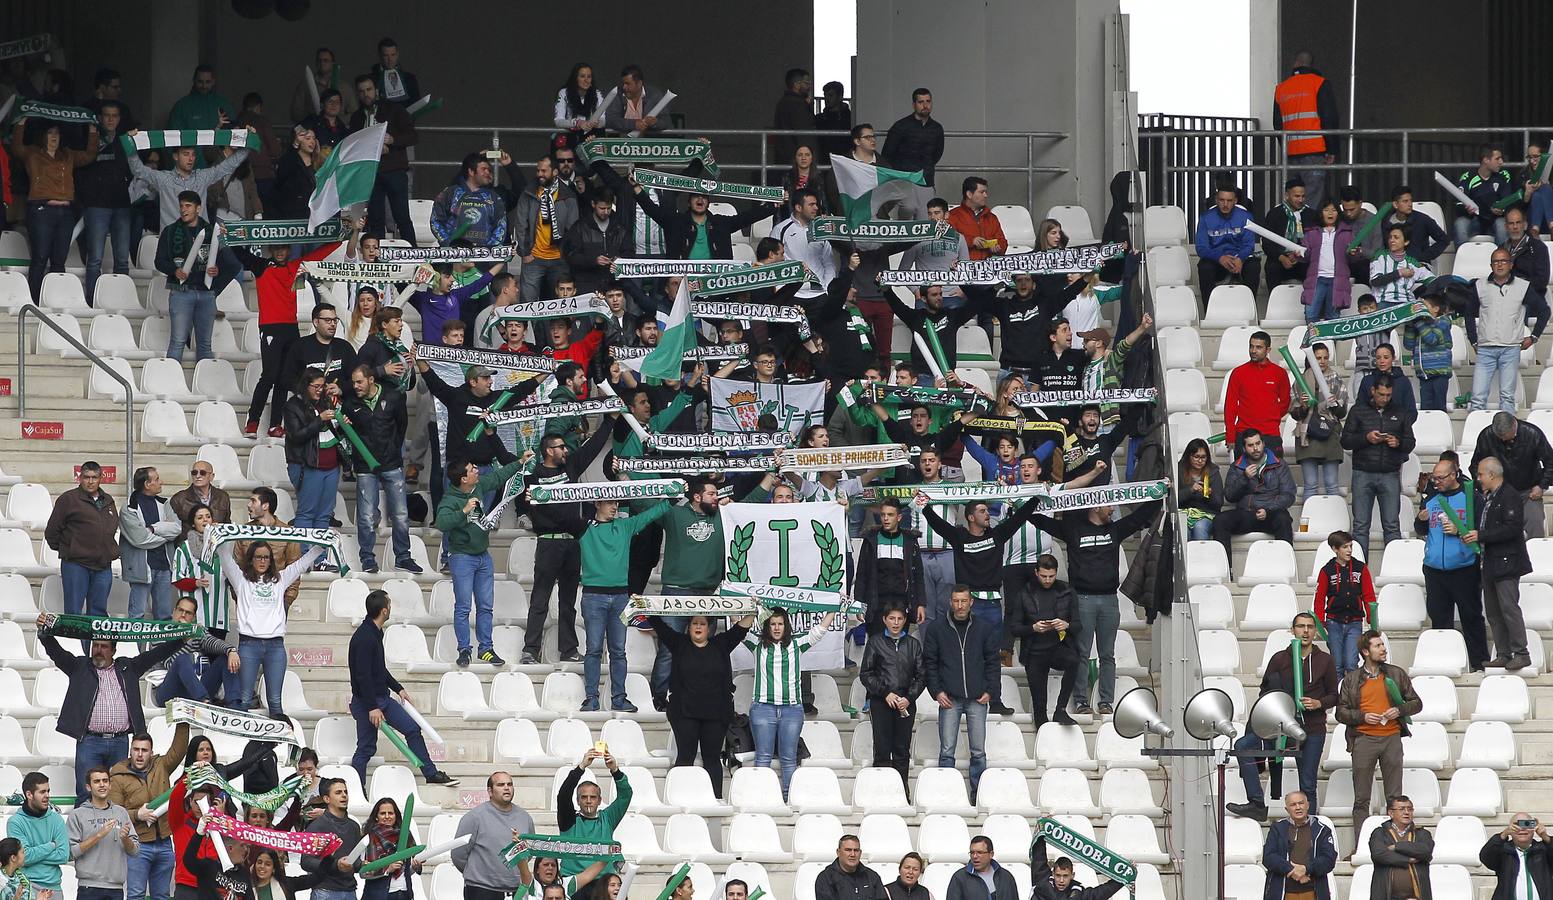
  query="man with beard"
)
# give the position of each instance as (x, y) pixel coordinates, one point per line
(545, 211)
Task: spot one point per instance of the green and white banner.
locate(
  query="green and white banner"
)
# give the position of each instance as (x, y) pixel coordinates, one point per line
(1082, 849)
(104, 628)
(775, 313)
(710, 353)
(688, 184)
(589, 304)
(224, 532)
(240, 138)
(261, 232)
(680, 151)
(491, 359)
(924, 277)
(664, 268)
(677, 465)
(201, 774)
(373, 273)
(1069, 260)
(861, 456)
(554, 410)
(252, 726)
(649, 489)
(835, 228)
(53, 112)
(949, 494)
(714, 606)
(1085, 398)
(27, 46)
(789, 546)
(792, 599)
(1350, 327)
(916, 395)
(1105, 495)
(984, 423)
(767, 276)
(546, 846)
(499, 253)
(720, 441)
(738, 405)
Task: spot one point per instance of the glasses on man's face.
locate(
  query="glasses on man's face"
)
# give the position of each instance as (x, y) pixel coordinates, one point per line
(329, 321)
(200, 473)
(1501, 262)
(868, 137)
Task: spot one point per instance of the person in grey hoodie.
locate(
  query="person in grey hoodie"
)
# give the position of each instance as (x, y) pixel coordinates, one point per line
(101, 841)
(168, 184)
(340, 884)
(491, 826)
(982, 878)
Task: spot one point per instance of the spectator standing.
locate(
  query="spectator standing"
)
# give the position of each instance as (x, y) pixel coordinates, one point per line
(1430, 341)
(135, 782)
(329, 126)
(594, 242)
(605, 549)
(806, 173)
(1530, 264)
(693, 563)
(700, 706)
(976, 221)
(1357, 217)
(102, 841)
(961, 669)
(378, 413)
(262, 606)
(263, 162)
(1328, 285)
(146, 527)
(170, 184)
(1452, 579)
(1499, 529)
(889, 570)
(83, 530)
(818, 255)
(325, 75)
(102, 707)
(1518, 857)
(1256, 397)
(558, 554)
(340, 883)
(1299, 853)
(1501, 313)
(938, 253)
(469, 208)
(1375, 701)
(491, 826)
(915, 143)
(1523, 450)
(201, 107)
(1401, 852)
(982, 878)
(1290, 220)
(847, 878)
(51, 196)
(1318, 435)
(43, 835)
(102, 190)
(391, 188)
(183, 255)
(312, 450)
(261, 511)
(794, 112)
(1044, 609)
(378, 697)
(586, 822)
(1384, 356)
(1317, 689)
(1225, 246)
(544, 212)
(469, 555)
(1381, 440)
(1054, 881)
(201, 492)
(834, 115)
(1260, 491)
(1344, 594)
(893, 678)
(295, 178)
(697, 233)
(1200, 489)
(1304, 107)
(393, 82)
(1484, 186)
(776, 713)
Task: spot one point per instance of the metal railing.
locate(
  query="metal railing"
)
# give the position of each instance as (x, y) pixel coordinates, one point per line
(742, 150)
(27, 309)
(1179, 154)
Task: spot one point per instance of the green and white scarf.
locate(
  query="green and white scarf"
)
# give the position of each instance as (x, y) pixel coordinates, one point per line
(375, 273)
(545, 846)
(1108, 863)
(1350, 327)
(666, 606)
(500, 253)
(241, 138)
(828, 459)
(1105, 495)
(492, 359)
(664, 268)
(252, 726)
(262, 232)
(53, 112)
(105, 628)
(555, 410)
(201, 774)
(719, 441)
(711, 187)
(768, 276)
(1076, 398)
(792, 599)
(590, 304)
(647, 489)
(835, 228)
(776, 313)
(674, 465)
(913, 395)
(643, 150)
(224, 532)
(712, 353)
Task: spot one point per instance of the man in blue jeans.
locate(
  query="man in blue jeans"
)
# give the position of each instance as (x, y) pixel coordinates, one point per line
(1317, 692)
(183, 255)
(960, 658)
(1380, 439)
(469, 555)
(84, 530)
(378, 414)
(1498, 333)
(102, 190)
(606, 561)
(136, 782)
(371, 703)
(205, 670)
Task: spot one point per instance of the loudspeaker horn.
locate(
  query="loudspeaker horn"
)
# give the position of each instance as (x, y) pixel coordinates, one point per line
(1274, 716)
(1209, 714)
(1138, 712)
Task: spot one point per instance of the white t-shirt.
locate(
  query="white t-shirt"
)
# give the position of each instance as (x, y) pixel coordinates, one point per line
(261, 605)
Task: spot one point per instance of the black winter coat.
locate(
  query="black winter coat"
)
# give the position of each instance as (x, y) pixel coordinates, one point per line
(381, 428)
(585, 243)
(893, 666)
(1501, 532)
(1032, 603)
(1500, 856)
(81, 687)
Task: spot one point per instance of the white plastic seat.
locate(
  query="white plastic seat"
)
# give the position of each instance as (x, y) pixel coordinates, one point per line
(1175, 305)
(1502, 698)
(1473, 792)
(1128, 791)
(62, 293)
(1438, 695)
(1185, 391)
(15, 292)
(1230, 305)
(1164, 226)
(568, 739)
(1066, 791)
(399, 781)
(461, 694)
(513, 693)
(1402, 563)
(563, 693)
(216, 420)
(879, 790)
(690, 788)
(884, 836)
(1242, 841)
(1433, 432)
(1005, 746)
(1271, 607)
(1180, 347)
(1205, 560)
(1326, 514)
(227, 467)
(686, 837)
(116, 294)
(112, 335)
(334, 738)
(1232, 346)
(13, 745)
(49, 744)
(942, 790)
(628, 744)
(1458, 839)
(1075, 225)
(517, 741)
(1488, 745)
(1427, 747)
(1472, 260)
(942, 837)
(639, 841)
(824, 743)
(1438, 651)
(1447, 880)
(163, 378)
(1133, 836)
(1187, 426)
(29, 504)
(1284, 309)
(753, 837)
(1064, 745)
(347, 600)
(1401, 606)
(1541, 552)
(815, 837)
(16, 600)
(1269, 562)
(758, 790)
(267, 464)
(215, 379)
(16, 555)
(817, 790)
(49, 340)
(1219, 652)
(1214, 606)
(163, 420)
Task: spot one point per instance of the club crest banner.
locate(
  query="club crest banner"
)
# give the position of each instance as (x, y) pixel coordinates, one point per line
(738, 405)
(790, 545)
(772, 275)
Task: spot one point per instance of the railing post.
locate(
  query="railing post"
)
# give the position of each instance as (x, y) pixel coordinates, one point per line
(21, 364)
(1404, 178)
(1030, 174)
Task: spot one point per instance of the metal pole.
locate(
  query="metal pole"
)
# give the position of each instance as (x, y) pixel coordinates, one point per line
(1030, 174)
(1404, 179)
(1220, 811)
(1353, 71)
(21, 363)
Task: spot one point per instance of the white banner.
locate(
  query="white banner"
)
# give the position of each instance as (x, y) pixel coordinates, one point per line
(738, 405)
(791, 545)
(718, 442)
(827, 459)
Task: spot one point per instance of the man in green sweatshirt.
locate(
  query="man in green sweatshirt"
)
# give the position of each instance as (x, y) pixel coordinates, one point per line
(606, 563)
(45, 840)
(586, 823)
(692, 565)
(469, 555)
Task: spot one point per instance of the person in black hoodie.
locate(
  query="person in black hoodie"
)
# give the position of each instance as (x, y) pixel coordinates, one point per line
(1054, 881)
(102, 190)
(893, 677)
(1028, 315)
(1094, 545)
(1518, 857)
(377, 412)
(700, 702)
(889, 571)
(1042, 613)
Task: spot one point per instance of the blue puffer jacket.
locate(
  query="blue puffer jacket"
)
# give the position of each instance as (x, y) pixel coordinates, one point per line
(1441, 550)
(1219, 235)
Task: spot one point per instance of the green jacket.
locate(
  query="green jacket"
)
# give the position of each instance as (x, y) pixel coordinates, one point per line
(631, 447)
(463, 535)
(692, 549)
(606, 549)
(46, 842)
(598, 830)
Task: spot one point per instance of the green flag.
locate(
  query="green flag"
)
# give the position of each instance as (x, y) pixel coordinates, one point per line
(864, 188)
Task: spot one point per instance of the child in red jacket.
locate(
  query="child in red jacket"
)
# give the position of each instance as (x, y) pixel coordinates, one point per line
(1345, 597)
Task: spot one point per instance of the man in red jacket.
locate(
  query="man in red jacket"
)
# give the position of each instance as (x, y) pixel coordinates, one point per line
(1257, 397)
(275, 279)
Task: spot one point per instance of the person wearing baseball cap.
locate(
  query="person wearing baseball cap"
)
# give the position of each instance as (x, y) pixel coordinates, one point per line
(467, 405)
(1104, 369)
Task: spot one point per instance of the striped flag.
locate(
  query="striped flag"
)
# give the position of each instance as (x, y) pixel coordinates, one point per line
(678, 337)
(347, 176)
(865, 188)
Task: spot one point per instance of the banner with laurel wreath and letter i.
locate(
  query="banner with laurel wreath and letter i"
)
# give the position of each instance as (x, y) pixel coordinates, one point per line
(791, 545)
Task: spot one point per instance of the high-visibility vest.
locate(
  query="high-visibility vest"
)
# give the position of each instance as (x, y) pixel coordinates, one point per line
(1296, 99)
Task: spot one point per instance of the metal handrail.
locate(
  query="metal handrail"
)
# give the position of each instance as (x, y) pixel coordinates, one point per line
(129, 389)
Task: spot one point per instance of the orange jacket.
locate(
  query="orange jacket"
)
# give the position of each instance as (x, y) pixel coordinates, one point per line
(985, 225)
(1295, 103)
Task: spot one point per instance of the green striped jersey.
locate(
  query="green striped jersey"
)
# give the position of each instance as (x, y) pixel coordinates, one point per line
(777, 667)
(1027, 544)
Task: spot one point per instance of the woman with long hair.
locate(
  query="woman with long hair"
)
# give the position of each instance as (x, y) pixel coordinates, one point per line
(261, 615)
(267, 873)
(294, 181)
(577, 105)
(1328, 287)
(700, 694)
(382, 831)
(192, 577)
(806, 173)
(776, 714)
(1201, 489)
(51, 206)
(363, 319)
(1318, 432)
(312, 450)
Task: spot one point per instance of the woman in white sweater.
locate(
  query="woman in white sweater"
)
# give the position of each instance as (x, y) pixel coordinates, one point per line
(261, 616)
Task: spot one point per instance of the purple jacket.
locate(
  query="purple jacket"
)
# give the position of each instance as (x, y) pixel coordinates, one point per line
(1342, 281)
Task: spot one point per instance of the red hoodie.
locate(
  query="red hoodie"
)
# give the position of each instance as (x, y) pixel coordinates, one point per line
(277, 296)
(580, 353)
(183, 831)
(1257, 397)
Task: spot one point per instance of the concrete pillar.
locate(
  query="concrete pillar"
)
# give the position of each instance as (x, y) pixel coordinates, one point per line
(1268, 64)
(177, 34)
